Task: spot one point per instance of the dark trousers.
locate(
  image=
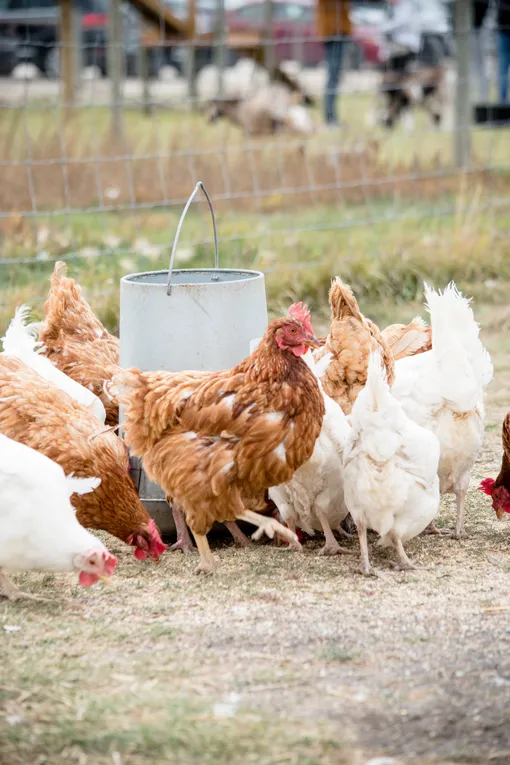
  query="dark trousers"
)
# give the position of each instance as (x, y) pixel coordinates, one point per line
(503, 65)
(334, 54)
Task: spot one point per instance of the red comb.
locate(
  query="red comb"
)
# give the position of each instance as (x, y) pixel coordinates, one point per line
(301, 313)
(487, 485)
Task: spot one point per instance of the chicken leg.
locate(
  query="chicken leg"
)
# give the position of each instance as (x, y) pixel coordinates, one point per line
(9, 590)
(269, 526)
(459, 523)
(207, 563)
(404, 564)
(331, 547)
(366, 568)
(240, 539)
(184, 542)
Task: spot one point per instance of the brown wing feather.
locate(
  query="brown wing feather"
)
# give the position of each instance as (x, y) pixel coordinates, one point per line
(351, 339)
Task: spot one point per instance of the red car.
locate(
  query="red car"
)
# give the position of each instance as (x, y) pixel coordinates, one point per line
(295, 33)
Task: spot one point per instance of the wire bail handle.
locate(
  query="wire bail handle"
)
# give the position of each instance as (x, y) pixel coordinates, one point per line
(199, 185)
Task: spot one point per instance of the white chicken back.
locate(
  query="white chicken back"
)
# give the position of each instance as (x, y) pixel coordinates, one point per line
(443, 390)
(390, 469)
(20, 342)
(38, 526)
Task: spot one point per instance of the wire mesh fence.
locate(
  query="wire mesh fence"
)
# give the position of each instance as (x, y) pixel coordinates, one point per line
(97, 163)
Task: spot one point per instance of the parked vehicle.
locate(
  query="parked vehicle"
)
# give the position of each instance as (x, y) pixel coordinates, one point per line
(29, 34)
(295, 34)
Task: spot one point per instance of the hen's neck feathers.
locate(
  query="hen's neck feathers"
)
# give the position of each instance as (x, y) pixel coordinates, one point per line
(269, 363)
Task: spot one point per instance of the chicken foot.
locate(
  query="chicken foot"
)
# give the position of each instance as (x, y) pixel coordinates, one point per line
(184, 542)
(432, 529)
(9, 590)
(269, 526)
(404, 563)
(331, 547)
(240, 539)
(207, 563)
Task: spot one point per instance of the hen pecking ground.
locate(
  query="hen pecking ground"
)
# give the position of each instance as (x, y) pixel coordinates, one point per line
(282, 658)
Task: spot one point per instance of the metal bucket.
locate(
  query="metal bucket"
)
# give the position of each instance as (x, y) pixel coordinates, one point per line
(201, 319)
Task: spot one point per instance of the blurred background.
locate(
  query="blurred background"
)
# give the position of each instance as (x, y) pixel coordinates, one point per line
(110, 113)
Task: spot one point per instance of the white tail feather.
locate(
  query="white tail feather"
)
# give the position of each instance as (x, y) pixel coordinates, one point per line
(463, 363)
(19, 338)
(377, 381)
(81, 485)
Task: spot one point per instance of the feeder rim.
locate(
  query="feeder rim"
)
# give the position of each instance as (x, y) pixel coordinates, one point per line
(134, 277)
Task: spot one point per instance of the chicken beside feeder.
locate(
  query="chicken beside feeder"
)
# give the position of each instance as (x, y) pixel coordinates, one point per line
(197, 318)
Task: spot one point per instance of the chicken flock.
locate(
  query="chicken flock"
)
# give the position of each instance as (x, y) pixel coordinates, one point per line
(364, 426)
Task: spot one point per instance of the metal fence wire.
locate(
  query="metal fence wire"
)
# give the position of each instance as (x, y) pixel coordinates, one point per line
(107, 126)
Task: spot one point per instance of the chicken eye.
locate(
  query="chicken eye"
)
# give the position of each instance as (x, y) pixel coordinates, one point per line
(293, 330)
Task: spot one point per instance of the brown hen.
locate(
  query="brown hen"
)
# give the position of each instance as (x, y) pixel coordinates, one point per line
(75, 340)
(408, 339)
(36, 413)
(215, 443)
(499, 488)
(351, 338)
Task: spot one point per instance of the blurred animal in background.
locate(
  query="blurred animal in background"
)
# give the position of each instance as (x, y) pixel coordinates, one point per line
(277, 106)
(351, 339)
(443, 390)
(36, 413)
(408, 339)
(20, 341)
(216, 443)
(313, 499)
(76, 342)
(499, 488)
(391, 483)
(414, 71)
(38, 527)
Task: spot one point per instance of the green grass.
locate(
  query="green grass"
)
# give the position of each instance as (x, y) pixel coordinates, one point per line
(385, 262)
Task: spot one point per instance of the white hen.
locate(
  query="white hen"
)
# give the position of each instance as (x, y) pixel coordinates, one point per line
(38, 526)
(314, 497)
(19, 341)
(443, 390)
(390, 469)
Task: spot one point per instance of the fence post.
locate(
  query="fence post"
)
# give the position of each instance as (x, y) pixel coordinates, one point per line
(463, 116)
(220, 47)
(67, 67)
(115, 64)
(269, 52)
(191, 64)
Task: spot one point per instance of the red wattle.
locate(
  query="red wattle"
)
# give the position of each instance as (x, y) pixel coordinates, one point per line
(86, 579)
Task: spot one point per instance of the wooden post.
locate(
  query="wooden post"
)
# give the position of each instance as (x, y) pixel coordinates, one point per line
(144, 74)
(220, 48)
(191, 57)
(115, 65)
(269, 52)
(67, 65)
(462, 132)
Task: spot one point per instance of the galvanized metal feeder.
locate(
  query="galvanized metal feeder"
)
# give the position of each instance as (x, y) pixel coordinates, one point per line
(192, 318)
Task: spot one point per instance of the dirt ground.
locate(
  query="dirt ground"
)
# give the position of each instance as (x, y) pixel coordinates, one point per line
(281, 658)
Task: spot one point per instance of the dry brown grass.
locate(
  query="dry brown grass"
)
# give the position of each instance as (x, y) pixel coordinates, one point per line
(72, 167)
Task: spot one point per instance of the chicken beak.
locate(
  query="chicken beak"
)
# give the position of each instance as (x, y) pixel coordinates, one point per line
(105, 579)
(500, 513)
(312, 342)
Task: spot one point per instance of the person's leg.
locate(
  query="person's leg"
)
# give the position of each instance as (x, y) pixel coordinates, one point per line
(504, 64)
(334, 53)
